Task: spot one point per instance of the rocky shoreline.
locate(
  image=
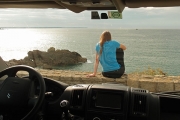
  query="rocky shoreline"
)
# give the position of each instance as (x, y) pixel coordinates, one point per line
(50, 59)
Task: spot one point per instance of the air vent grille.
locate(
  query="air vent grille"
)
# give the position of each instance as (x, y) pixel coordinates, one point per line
(140, 103)
(140, 90)
(77, 98)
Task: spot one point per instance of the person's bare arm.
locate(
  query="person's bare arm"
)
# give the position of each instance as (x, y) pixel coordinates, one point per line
(122, 46)
(95, 66)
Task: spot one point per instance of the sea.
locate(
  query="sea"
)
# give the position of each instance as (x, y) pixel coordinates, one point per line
(146, 48)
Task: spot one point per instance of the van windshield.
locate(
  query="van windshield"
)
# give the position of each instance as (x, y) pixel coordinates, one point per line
(151, 36)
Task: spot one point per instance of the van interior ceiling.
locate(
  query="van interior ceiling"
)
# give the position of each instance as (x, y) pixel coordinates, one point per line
(81, 5)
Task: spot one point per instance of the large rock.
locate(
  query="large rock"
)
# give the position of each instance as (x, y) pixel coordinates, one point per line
(51, 58)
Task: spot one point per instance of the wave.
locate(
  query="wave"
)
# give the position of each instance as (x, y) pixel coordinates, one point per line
(89, 61)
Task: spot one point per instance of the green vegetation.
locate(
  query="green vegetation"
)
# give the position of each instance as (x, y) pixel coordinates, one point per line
(150, 71)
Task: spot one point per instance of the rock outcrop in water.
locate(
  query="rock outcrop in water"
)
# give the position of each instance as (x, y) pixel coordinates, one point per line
(48, 60)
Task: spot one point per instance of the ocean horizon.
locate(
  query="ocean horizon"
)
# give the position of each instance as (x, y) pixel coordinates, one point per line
(154, 48)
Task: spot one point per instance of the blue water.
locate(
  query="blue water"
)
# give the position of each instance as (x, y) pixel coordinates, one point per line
(145, 47)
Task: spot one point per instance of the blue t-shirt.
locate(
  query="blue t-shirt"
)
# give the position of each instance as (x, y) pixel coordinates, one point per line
(108, 57)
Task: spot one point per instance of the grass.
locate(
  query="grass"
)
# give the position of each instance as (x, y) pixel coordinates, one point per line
(150, 71)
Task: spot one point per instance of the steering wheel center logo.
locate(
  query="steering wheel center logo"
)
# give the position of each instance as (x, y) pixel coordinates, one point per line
(8, 96)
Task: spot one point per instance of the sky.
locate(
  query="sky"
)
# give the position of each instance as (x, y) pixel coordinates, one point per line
(133, 18)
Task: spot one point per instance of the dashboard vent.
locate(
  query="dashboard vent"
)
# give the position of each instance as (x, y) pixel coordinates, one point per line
(140, 90)
(140, 103)
(77, 98)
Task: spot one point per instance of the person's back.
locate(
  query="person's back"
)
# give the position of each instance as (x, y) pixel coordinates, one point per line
(108, 57)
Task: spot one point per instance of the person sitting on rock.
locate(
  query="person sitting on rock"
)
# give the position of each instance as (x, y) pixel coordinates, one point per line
(106, 54)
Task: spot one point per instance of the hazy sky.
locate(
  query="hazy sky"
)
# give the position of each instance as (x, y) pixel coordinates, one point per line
(153, 18)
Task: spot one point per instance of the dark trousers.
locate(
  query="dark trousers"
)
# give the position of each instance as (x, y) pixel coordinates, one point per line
(117, 73)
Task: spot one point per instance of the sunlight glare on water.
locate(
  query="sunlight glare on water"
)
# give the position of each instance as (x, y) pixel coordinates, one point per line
(17, 42)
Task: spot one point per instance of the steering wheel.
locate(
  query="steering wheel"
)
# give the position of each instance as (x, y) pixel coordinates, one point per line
(17, 92)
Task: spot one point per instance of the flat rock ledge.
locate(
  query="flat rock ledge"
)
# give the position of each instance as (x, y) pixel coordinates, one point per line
(157, 83)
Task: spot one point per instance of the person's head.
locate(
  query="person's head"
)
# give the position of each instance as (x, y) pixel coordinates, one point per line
(105, 36)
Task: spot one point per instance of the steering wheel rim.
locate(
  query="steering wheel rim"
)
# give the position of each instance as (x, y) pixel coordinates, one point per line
(11, 72)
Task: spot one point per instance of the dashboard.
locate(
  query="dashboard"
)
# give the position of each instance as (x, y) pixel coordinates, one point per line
(118, 102)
